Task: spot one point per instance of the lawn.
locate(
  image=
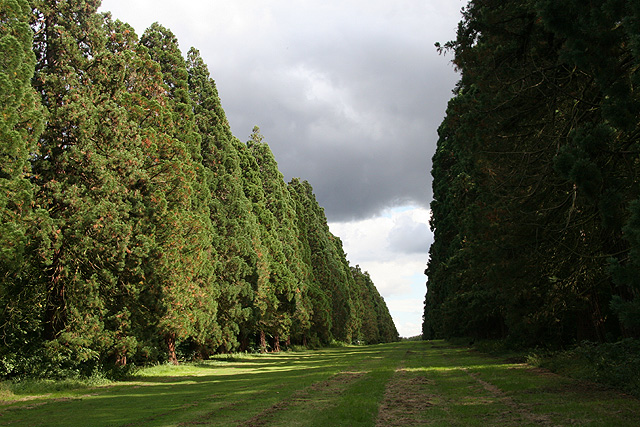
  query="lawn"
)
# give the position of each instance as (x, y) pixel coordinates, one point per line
(406, 383)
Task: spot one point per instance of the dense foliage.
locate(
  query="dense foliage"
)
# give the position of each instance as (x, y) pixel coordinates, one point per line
(536, 210)
(135, 227)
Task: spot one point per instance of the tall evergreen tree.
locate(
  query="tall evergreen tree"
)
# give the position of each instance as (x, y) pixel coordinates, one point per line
(312, 233)
(235, 227)
(183, 259)
(75, 183)
(289, 274)
(376, 323)
(264, 303)
(333, 284)
(21, 120)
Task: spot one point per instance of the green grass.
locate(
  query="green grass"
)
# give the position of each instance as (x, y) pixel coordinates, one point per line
(406, 383)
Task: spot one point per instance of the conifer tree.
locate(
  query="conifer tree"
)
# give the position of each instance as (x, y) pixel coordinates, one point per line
(183, 259)
(532, 175)
(275, 283)
(75, 182)
(289, 274)
(264, 302)
(235, 227)
(333, 283)
(312, 229)
(131, 115)
(342, 288)
(21, 120)
(377, 324)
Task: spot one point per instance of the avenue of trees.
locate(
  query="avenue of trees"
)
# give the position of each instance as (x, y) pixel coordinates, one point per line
(536, 176)
(134, 227)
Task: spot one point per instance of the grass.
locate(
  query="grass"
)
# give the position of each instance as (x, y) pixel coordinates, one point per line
(406, 383)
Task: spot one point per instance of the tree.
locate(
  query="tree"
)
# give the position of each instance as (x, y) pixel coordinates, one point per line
(312, 227)
(529, 195)
(76, 183)
(183, 260)
(21, 121)
(235, 227)
(377, 324)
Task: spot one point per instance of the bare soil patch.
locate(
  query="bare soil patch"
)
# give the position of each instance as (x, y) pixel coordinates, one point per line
(405, 401)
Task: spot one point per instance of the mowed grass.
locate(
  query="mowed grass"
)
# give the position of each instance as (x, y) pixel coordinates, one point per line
(406, 383)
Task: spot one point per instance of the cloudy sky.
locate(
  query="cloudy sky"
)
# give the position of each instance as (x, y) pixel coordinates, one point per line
(348, 94)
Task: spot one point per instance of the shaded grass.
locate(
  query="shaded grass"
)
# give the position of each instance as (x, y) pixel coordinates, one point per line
(615, 364)
(473, 389)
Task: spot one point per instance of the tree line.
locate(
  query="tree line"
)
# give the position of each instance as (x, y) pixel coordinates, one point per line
(135, 228)
(536, 176)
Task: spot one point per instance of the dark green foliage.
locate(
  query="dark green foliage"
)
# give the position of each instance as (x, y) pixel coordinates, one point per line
(180, 268)
(332, 287)
(281, 280)
(135, 228)
(535, 176)
(78, 185)
(377, 325)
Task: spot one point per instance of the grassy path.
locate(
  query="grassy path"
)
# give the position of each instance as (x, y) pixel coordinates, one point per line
(402, 384)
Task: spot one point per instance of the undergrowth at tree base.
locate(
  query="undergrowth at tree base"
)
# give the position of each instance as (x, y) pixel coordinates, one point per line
(615, 364)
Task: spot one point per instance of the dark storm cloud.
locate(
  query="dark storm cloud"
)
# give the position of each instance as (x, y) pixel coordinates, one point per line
(364, 141)
(348, 94)
(356, 118)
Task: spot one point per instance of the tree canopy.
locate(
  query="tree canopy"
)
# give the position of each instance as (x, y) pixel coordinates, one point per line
(535, 176)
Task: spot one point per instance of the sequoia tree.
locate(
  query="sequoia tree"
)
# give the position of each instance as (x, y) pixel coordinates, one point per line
(182, 260)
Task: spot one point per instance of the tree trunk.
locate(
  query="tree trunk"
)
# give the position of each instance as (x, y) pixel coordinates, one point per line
(121, 358)
(276, 344)
(263, 342)
(55, 308)
(171, 345)
(244, 343)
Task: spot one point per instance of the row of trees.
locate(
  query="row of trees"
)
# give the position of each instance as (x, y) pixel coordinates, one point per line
(536, 210)
(135, 227)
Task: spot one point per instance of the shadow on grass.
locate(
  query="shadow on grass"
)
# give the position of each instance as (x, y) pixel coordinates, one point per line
(214, 389)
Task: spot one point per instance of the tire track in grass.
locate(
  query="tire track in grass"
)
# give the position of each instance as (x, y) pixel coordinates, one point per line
(518, 412)
(349, 397)
(406, 398)
(318, 395)
(515, 413)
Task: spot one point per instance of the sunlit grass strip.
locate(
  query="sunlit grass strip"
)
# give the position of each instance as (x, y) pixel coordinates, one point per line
(472, 367)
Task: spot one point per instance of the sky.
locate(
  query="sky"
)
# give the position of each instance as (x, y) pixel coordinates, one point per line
(349, 95)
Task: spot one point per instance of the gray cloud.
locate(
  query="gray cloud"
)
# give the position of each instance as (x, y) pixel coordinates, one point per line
(410, 237)
(348, 94)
